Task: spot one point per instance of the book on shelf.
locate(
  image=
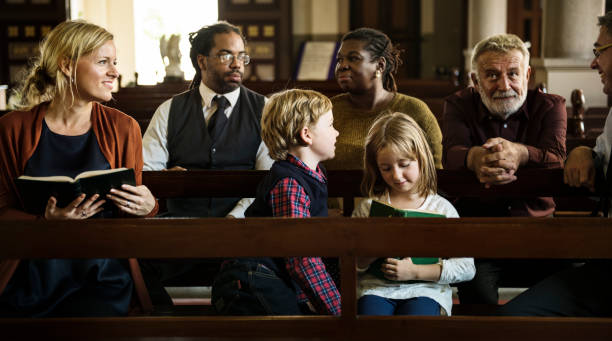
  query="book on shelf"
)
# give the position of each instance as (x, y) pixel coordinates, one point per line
(36, 190)
(381, 209)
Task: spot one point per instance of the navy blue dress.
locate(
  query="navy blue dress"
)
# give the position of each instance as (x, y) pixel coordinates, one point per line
(67, 287)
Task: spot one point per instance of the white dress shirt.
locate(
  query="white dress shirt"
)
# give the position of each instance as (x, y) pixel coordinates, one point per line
(155, 140)
(603, 148)
(603, 144)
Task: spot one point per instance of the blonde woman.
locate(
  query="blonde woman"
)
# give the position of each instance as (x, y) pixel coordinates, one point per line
(64, 130)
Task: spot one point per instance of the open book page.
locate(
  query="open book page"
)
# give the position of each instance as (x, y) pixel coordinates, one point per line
(61, 178)
(89, 174)
(58, 178)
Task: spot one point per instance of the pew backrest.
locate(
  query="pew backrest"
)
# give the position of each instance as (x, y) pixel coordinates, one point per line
(344, 184)
(337, 237)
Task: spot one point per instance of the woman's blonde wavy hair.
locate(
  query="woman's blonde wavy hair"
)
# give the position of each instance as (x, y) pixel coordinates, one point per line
(284, 116)
(68, 41)
(403, 135)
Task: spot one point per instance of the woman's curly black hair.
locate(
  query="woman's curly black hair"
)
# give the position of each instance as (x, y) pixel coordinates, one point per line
(379, 45)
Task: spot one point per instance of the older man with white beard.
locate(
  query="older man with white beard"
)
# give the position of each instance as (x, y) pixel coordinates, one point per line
(495, 127)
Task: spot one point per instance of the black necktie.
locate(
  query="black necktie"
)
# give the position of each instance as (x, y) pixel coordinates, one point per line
(219, 119)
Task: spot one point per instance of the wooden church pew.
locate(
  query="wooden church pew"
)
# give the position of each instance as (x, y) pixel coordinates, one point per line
(584, 238)
(345, 184)
(169, 238)
(141, 101)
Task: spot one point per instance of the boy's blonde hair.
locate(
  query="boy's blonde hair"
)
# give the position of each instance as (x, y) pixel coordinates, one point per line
(403, 135)
(68, 41)
(284, 116)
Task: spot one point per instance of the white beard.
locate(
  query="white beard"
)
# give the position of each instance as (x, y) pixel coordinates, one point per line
(505, 108)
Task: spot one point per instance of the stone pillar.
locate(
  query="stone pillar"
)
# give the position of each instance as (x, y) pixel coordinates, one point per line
(569, 29)
(485, 18)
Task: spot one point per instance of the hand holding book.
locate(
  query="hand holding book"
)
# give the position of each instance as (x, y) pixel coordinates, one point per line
(66, 198)
(387, 268)
(79, 208)
(135, 200)
(405, 270)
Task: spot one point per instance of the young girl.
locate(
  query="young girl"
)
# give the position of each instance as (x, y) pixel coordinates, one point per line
(400, 171)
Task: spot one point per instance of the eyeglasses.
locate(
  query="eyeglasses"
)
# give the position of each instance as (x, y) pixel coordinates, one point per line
(599, 49)
(228, 58)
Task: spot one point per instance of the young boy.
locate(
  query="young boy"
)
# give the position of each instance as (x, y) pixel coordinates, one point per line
(297, 127)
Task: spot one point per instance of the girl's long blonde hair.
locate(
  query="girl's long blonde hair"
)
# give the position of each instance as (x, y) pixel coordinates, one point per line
(403, 135)
(67, 42)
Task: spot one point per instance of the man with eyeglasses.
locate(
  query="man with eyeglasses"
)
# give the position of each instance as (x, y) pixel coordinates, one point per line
(493, 129)
(213, 125)
(186, 133)
(585, 290)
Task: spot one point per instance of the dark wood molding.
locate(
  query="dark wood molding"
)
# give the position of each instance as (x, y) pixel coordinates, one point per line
(530, 182)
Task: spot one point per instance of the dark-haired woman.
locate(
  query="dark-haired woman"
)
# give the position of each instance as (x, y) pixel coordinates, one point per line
(365, 68)
(64, 130)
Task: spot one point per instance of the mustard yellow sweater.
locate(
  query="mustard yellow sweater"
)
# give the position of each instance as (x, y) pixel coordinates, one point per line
(353, 125)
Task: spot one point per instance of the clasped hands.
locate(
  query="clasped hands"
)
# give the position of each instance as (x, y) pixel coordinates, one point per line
(135, 200)
(496, 161)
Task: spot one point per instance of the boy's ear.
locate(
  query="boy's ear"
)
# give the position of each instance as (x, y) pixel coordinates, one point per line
(65, 67)
(305, 136)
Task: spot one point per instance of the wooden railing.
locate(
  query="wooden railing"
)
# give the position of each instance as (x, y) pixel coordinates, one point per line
(345, 184)
(141, 101)
(575, 238)
(525, 238)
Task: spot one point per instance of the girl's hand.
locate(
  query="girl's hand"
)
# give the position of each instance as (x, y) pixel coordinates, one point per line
(136, 200)
(79, 208)
(399, 269)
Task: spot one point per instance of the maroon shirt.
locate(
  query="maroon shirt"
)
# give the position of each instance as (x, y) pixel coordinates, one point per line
(540, 125)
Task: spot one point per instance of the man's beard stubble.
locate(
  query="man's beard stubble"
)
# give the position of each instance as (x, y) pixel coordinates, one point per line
(222, 86)
(503, 110)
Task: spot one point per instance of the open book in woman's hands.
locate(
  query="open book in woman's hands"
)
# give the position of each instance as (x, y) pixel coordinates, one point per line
(35, 191)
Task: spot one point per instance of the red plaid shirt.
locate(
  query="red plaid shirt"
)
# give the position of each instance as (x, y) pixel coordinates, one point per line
(288, 199)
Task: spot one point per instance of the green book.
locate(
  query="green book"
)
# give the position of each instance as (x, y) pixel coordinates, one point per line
(36, 190)
(380, 209)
